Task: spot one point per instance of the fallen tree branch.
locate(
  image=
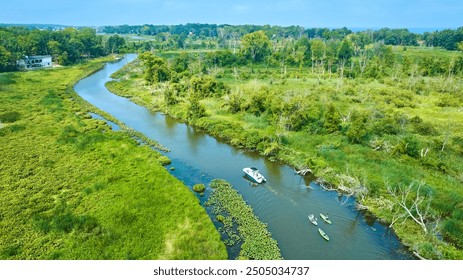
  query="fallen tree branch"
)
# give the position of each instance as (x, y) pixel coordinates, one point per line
(304, 171)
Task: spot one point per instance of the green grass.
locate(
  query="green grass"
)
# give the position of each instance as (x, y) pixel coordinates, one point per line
(419, 52)
(70, 188)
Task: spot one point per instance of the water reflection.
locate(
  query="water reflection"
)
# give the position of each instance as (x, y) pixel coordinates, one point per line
(194, 139)
(170, 123)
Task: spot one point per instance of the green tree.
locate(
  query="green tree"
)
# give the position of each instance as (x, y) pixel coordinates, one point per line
(332, 119)
(256, 45)
(318, 50)
(180, 63)
(298, 57)
(331, 54)
(358, 127)
(386, 54)
(170, 96)
(345, 53)
(361, 39)
(75, 49)
(375, 69)
(206, 86)
(406, 65)
(54, 48)
(92, 44)
(6, 59)
(114, 44)
(195, 109)
(460, 46)
(156, 69)
(303, 48)
(295, 112)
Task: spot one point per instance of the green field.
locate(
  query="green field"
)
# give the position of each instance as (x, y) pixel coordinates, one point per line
(70, 188)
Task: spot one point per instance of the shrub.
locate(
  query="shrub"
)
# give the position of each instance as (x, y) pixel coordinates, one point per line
(164, 160)
(220, 219)
(385, 125)
(195, 109)
(332, 119)
(425, 129)
(234, 103)
(448, 101)
(199, 188)
(206, 86)
(9, 117)
(12, 128)
(357, 129)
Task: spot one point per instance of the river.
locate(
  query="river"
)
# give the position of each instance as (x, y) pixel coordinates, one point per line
(283, 203)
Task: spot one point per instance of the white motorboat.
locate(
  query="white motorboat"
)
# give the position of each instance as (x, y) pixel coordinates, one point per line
(254, 174)
(313, 219)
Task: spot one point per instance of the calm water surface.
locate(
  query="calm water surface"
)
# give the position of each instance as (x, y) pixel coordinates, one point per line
(283, 202)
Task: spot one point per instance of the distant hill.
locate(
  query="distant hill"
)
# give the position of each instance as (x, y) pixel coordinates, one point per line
(416, 30)
(38, 26)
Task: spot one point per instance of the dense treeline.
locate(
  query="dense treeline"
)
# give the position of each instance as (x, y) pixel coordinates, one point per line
(227, 34)
(447, 39)
(356, 55)
(66, 46)
(207, 30)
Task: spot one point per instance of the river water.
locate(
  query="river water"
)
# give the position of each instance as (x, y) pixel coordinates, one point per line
(283, 203)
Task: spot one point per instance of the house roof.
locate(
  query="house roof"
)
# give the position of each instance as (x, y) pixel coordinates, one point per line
(37, 56)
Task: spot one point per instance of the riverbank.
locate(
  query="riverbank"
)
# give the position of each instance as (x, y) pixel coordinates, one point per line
(73, 189)
(345, 165)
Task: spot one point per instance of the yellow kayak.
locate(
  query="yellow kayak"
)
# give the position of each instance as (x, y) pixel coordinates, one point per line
(323, 234)
(325, 218)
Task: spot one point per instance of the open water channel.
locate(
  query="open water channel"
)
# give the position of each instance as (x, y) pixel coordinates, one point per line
(283, 203)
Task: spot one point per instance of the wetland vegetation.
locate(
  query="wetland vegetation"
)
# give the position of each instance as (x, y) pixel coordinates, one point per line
(240, 225)
(71, 188)
(373, 114)
(379, 122)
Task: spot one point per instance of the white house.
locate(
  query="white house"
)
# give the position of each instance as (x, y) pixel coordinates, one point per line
(34, 62)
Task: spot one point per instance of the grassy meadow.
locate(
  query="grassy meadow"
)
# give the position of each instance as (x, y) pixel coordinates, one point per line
(371, 137)
(70, 188)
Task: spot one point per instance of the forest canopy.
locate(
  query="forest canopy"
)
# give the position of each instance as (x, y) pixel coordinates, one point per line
(447, 39)
(66, 46)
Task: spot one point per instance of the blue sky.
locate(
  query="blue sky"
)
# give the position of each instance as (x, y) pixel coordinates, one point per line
(307, 13)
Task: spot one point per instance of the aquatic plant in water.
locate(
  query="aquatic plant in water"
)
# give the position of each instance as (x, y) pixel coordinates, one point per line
(232, 210)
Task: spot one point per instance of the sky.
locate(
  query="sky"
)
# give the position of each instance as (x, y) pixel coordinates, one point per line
(306, 13)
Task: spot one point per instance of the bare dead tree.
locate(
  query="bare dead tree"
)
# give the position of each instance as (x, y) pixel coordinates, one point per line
(380, 144)
(448, 133)
(346, 118)
(418, 255)
(424, 152)
(325, 185)
(412, 202)
(303, 171)
(348, 186)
